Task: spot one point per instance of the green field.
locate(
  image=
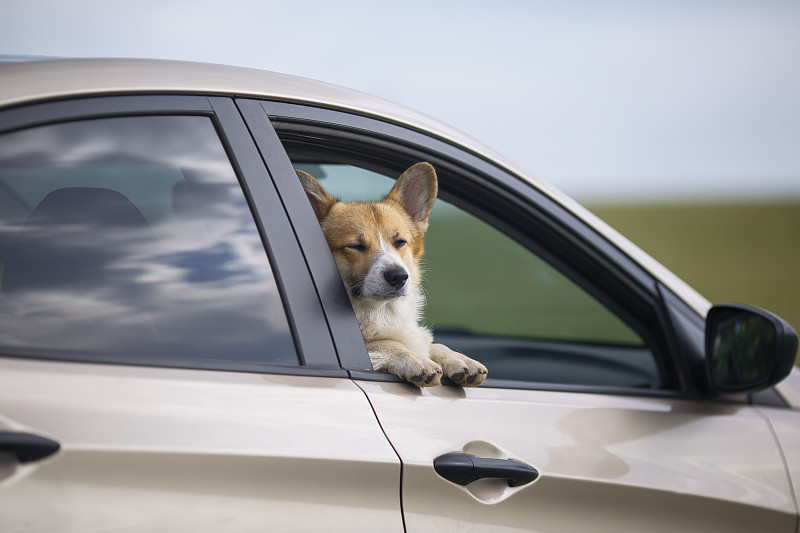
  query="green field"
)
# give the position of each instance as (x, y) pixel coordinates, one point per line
(744, 253)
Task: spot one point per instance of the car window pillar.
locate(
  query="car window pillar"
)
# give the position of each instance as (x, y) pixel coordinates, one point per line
(328, 284)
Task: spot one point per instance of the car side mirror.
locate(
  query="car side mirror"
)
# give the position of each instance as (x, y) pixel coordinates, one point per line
(747, 349)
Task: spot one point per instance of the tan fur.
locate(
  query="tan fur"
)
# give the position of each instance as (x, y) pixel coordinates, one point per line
(376, 244)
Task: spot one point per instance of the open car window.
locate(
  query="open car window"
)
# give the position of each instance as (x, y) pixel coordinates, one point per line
(496, 301)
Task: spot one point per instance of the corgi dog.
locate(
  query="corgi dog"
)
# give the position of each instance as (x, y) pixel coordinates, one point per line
(377, 248)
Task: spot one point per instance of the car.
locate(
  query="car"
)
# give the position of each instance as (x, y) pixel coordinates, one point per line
(178, 351)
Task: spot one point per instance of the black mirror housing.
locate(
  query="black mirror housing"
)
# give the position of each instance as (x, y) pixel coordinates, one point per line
(747, 349)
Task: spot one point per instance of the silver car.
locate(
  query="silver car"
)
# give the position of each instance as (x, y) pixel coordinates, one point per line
(178, 353)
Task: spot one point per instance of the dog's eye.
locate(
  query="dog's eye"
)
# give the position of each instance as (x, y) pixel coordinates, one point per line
(356, 247)
(399, 243)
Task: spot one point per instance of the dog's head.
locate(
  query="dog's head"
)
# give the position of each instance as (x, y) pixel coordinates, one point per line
(377, 245)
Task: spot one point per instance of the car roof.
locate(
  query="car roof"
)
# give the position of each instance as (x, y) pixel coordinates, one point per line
(28, 79)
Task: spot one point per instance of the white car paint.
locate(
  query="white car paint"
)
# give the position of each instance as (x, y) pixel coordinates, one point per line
(156, 449)
(606, 463)
(789, 388)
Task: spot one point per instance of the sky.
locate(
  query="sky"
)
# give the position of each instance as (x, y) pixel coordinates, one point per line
(608, 100)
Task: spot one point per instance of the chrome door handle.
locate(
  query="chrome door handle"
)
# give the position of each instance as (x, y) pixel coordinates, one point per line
(27, 447)
(464, 468)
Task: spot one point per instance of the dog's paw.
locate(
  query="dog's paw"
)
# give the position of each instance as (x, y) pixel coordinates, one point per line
(458, 367)
(425, 373)
(417, 370)
(468, 375)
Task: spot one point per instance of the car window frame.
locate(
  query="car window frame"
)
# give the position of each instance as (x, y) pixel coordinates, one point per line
(555, 223)
(304, 313)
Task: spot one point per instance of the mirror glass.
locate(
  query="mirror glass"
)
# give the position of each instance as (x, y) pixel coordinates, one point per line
(743, 349)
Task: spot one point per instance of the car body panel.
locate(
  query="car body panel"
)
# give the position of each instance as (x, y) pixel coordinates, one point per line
(606, 463)
(786, 425)
(43, 80)
(147, 449)
(789, 388)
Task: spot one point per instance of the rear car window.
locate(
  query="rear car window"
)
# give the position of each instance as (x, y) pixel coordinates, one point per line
(129, 239)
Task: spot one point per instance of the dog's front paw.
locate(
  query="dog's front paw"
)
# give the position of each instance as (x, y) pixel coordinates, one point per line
(458, 367)
(413, 368)
(424, 373)
(469, 374)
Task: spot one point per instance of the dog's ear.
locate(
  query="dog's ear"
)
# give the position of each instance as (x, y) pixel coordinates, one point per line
(320, 200)
(416, 190)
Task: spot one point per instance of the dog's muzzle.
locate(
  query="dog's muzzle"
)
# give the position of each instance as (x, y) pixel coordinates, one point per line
(387, 278)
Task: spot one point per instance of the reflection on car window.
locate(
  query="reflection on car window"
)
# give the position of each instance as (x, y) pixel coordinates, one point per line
(130, 240)
(496, 301)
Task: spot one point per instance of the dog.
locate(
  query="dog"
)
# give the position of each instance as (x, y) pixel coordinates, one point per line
(377, 248)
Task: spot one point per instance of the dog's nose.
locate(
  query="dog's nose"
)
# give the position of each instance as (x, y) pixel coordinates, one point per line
(395, 277)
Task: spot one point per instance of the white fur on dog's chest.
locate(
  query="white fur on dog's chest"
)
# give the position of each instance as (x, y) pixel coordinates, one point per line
(394, 319)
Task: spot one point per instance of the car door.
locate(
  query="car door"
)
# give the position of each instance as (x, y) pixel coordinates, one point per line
(591, 418)
(165, 363)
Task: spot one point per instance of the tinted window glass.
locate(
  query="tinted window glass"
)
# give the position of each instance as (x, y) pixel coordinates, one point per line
(493, 299)
(129, 239)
